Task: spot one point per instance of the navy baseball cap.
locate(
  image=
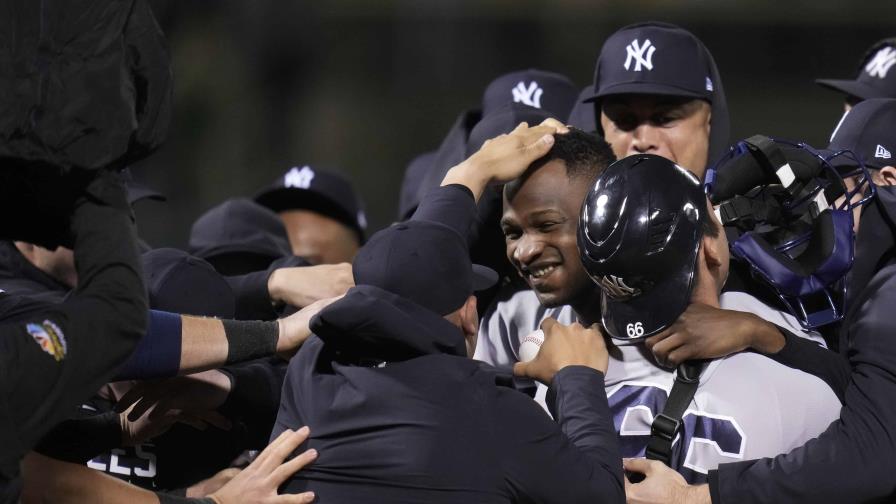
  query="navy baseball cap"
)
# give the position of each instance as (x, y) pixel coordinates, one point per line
(868, 131)
(654, 58)
(638, 236)
(137, 191)
(877, 76)
(323, 191)
(423, 261)
(582, 114)
(239, 236)
(540, 89)
(180, 283)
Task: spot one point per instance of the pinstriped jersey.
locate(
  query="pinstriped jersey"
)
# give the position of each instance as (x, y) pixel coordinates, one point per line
(747, 406)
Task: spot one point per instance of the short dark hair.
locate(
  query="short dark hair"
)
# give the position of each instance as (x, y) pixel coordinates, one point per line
(708, 227)
(585, 155)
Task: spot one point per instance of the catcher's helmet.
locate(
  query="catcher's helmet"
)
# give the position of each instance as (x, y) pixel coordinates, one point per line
(638, 236)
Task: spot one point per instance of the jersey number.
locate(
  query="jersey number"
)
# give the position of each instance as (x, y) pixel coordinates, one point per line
(705, 440)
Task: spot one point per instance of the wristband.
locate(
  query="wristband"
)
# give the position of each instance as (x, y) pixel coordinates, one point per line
(165, 498)
(247, 340)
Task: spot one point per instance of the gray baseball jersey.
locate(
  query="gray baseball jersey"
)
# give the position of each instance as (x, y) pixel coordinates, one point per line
(747, 406)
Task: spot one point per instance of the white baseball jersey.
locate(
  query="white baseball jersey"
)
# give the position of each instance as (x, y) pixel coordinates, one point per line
(747, 406)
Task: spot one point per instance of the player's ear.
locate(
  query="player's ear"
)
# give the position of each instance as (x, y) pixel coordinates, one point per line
(469, 320)
(470, 316)
(711, 251)
(886, 176)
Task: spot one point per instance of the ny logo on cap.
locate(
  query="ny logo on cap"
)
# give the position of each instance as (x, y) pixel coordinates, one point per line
(300, 179)
(530, 96)
(881, 152)
(881, 63)
(637, 52)
(616, 288)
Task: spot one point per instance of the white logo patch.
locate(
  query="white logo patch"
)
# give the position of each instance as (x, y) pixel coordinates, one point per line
(641, 54)
(616, 288)
(530, 95)
(300, 179)
(881, 63)
(709, 84)
(881, 152)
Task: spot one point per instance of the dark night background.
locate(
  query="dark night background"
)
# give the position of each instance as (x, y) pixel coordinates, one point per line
(365, 85)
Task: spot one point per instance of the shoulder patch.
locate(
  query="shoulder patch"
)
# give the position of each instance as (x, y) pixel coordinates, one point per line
(50, 338)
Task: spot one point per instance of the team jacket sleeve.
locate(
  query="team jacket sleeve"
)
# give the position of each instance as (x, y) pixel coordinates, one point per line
(576, 459)
(250, 291)
(54, 360)
(452, 205)
(808, 356)
(852, 460)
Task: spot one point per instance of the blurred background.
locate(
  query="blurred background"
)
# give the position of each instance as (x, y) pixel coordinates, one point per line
(365, 85)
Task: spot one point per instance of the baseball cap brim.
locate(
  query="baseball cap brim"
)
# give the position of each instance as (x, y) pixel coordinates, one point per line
(281, 199)
(845, 163)
(483, 277)
(648, 88)
(653, 311)
(138, 192)
(852, 88)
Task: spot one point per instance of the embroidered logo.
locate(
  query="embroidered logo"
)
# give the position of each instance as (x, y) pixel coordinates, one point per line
(709, 86)
(640, 54)
(881, 63)
(530, 95)
(49, 337)
(300, 179)
(616, 288)
(881, 152)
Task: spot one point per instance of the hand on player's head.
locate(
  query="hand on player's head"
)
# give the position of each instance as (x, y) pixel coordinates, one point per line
(506, 157)
(295, 329)
(572, 345)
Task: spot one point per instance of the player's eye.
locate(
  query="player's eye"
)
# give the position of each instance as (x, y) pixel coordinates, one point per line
(511, 234)
(625, 122)
(547, 226)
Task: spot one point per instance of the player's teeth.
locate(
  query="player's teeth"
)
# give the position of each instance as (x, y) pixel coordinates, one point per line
(541, 272)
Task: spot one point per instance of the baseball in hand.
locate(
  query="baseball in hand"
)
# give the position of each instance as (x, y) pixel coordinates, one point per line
(530, 345)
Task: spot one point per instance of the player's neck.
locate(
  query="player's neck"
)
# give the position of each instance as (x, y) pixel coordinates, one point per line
(587, 307)
(706, 293)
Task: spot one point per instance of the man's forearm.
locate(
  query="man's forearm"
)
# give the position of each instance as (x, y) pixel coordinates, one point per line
(180, 344)
(578, 402)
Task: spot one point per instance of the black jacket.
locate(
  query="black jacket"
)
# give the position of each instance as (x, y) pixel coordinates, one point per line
(56, 358)
(399, 414)
(853, 460)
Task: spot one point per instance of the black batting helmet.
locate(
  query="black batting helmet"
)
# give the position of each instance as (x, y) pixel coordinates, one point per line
(638, 236)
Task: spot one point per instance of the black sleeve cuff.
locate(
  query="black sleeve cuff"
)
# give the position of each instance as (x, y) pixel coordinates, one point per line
(713, 480)
(452, 205)
(807, 356)
(78, 440)
(569, 380)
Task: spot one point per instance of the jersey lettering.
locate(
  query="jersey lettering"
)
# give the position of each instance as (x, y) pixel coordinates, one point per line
(129, 464)
(705, 440)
